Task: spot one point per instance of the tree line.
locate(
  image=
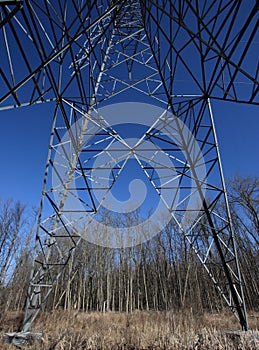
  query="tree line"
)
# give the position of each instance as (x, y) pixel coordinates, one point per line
(160, 274)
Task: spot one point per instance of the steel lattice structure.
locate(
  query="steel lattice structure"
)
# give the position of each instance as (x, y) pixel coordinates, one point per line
(179, 55)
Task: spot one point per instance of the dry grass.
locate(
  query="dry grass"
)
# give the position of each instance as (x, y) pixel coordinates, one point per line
(140, 330)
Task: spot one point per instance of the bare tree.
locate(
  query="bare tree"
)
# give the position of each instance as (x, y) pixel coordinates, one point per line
(245, 196)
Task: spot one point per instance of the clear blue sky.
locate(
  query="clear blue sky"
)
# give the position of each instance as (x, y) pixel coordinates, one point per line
(25, 137)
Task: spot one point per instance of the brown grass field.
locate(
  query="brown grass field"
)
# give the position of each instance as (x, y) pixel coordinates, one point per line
(73, 330)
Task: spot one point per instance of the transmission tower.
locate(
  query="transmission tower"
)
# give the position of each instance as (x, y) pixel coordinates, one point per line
(178, 56)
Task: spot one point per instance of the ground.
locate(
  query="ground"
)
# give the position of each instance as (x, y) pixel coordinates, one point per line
(64, 330)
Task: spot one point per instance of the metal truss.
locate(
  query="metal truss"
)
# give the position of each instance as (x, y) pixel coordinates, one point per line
(15, 6)
(178, 55)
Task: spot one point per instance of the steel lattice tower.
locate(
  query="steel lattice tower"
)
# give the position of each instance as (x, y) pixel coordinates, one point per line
(178, 55)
